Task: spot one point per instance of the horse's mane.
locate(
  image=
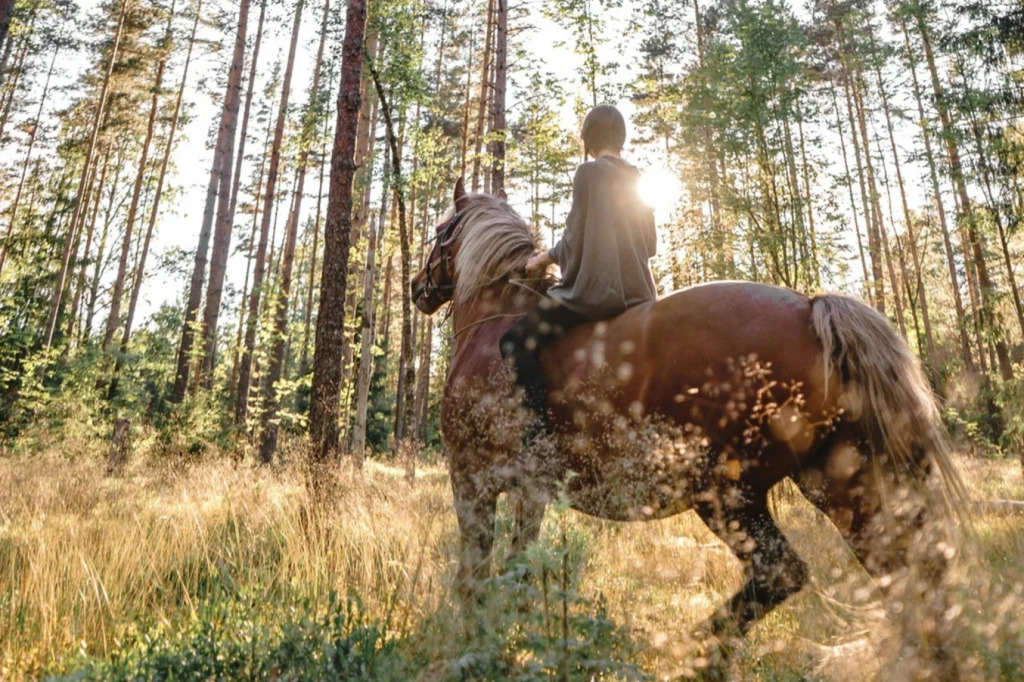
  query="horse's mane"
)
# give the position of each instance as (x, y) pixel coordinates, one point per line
(496, 243)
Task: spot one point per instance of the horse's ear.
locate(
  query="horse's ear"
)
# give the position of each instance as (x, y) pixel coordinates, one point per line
(501, 195)
(460, 195)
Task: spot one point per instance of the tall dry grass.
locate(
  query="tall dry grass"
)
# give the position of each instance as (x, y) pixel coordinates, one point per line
(88, 563)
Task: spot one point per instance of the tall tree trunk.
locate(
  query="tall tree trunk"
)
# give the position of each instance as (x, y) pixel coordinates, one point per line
(815, 267)
(330, 324)
(62, 273)
(961, 323)
(403, 406)
(245, 368)
(10, 92)
(113, 319)
(849, 186)
(244, 132)
(221, 160)
(28, 152)
(366, 133)
(244, 298)
(108, 217)
(154, 211)
(497, 146)
(269, 423)
(97, 194)
(922, 294)
(366, 335)
(989, 315)
(485, 84)
(865, 174)
(314, 250)
(225, 217)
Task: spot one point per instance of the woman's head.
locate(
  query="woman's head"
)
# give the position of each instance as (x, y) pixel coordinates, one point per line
(604, 129)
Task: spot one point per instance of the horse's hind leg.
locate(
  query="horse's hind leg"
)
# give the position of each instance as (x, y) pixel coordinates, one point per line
(773, 570)
(529, 503)
(893, 528)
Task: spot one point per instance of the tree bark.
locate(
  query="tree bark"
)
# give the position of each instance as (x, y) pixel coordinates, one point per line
(485, 81)
(6, 14)
(245, 368)
(154, 211)
(62, 273)
(366, 336)
(28, 154)
(497, 145)
(965, 344)
(403, 406)
(330, 325)
(989, 316)
(268, 418)
(113, 318)
(225, 217)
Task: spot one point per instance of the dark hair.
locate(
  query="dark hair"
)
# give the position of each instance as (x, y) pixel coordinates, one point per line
(603, 128)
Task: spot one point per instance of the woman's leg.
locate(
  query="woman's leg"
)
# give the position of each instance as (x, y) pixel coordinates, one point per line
(522, 344)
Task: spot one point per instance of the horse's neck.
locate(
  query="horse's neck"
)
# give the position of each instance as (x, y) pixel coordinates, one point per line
(494, 306)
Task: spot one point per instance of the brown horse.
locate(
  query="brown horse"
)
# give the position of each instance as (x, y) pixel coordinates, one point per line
(702, 400)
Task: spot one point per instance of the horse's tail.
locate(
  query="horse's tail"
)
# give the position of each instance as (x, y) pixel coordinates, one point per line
(885, 390)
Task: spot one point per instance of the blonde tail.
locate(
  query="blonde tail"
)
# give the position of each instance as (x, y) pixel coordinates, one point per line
(884, 389)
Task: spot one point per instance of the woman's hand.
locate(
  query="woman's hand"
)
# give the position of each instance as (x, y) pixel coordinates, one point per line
(538, 264)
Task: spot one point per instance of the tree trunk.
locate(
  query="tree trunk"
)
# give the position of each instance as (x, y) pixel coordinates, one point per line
(922, 294)
(497, 145)
(6, 13)
(485, 82)
(244, 298)
(97, 194)
(330, 324)
(366, 133)
(225, 217)
(849, 186)
(245, 368)
(965, 344)
(62, 273)
(314, 250)
(269, 423)
(403, 406)
(366, 336)
(989, 316)
(113, 319)
(28, 152)
(154, 211)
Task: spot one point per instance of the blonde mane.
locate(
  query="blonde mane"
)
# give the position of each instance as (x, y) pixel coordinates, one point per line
(496, 243)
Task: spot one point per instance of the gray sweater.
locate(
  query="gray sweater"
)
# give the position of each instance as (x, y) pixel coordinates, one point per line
(608, 239)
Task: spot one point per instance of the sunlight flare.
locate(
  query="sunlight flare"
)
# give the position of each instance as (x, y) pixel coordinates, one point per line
(660, 190)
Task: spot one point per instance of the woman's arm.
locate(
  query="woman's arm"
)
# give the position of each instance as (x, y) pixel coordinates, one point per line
(577, 217)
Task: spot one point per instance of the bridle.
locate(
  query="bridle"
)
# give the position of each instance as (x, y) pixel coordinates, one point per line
(445, 238)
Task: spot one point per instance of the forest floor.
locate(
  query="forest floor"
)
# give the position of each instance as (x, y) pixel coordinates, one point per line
(217, 570)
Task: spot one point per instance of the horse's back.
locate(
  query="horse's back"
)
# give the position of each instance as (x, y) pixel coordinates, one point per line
(671, 356)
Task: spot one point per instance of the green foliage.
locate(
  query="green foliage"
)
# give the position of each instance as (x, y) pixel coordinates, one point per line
(244, 637)
(536, 624)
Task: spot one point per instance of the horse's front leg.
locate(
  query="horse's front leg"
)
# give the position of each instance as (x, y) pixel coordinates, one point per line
(475, 504)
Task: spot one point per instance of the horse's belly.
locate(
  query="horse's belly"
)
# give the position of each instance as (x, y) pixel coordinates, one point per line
(654, 479)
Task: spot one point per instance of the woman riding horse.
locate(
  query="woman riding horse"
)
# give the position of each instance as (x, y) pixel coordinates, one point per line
(603, 253)
(703, 400)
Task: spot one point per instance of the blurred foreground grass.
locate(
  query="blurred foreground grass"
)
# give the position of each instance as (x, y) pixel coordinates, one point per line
(218, 570)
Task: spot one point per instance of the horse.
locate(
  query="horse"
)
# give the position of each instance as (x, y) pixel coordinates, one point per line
(703, 400)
